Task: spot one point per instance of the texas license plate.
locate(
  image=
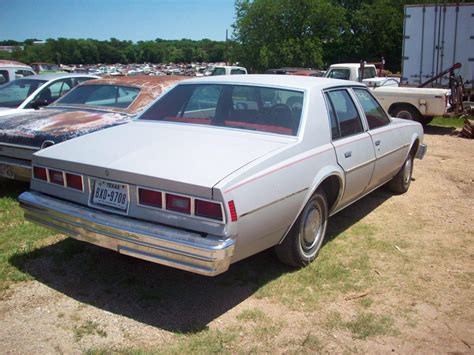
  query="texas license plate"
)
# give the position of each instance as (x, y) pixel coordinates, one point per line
(112, 194)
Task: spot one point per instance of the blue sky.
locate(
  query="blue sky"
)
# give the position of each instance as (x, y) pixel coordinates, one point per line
(123, 19)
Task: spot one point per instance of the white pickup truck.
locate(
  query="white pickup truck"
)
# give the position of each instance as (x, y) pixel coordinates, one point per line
(418, 104)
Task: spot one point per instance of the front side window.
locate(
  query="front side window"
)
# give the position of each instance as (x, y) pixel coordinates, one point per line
(253, 108)
(346, 113)
(101, 95)
(15, 92)
(237, 71)
(218, 71)
(376, 116)
(3, 76)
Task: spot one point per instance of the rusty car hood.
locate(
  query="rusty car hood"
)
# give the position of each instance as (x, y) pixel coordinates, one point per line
(56, 124)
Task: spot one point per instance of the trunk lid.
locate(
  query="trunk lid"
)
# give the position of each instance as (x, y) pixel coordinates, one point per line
(173, 157)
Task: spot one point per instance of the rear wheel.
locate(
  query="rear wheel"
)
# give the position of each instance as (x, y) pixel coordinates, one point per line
(304, 240)
(406, 112)
(401, 182)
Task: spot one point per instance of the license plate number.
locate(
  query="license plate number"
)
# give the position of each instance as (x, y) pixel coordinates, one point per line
(112, 194)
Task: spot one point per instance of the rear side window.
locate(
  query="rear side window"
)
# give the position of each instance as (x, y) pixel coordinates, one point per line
(348, 119)
(3, 76)
(101, 95)
(237, 71)
(254, 108)
(341, 73)
(376, 116)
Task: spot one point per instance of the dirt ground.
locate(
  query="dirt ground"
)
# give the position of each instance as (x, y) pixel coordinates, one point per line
(72, 306)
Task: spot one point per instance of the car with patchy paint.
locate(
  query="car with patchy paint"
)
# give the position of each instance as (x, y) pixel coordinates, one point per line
(37, 91)
(94, 105)
(221, 168)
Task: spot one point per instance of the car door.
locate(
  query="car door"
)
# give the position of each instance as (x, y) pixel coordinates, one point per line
(353, 145)
(389, 149)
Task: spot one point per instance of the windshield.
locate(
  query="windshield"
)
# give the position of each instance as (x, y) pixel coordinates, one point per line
(100, 95)
(15, 92)
(263, 109)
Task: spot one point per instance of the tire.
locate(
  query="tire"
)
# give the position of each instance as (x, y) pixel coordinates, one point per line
(406, 112)
(401, 182)
(425, 120)
(304, 240)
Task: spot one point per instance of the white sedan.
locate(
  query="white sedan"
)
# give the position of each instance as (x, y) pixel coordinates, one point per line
(36, 91)
(220, 168)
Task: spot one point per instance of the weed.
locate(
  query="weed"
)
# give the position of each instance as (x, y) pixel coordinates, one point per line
(368, 325)
(88, 328)
(254, 314)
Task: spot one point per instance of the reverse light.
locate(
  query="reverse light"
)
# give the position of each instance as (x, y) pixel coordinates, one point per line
(149, 197)
(56, 177)
(74, 181)
(208, 209)
(232, 210)
(178, 203)
(40, 173)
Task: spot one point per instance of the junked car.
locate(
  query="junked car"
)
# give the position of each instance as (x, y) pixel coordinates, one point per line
(92, 106)
(11, 70)
(37, 91)
(221, 168)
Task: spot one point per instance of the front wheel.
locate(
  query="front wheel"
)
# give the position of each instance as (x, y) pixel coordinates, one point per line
(401, 182)
(304, 240)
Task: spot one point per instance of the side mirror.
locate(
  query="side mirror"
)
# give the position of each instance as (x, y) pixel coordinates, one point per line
(38, 104)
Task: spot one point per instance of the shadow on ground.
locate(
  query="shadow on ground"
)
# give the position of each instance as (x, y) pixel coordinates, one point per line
(11, 188)
(159, 296)
(441, 131)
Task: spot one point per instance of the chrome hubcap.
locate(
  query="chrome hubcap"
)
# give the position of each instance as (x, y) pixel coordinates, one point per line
(405, 115)
(407, 172)
(312, 230)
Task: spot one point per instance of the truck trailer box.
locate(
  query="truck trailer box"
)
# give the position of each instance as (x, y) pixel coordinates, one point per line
(435, 37)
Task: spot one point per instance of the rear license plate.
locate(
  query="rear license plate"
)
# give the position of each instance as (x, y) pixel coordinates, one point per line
(112, 194)
(6, 171)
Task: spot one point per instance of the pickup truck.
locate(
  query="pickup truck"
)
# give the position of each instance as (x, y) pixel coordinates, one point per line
(417, 104)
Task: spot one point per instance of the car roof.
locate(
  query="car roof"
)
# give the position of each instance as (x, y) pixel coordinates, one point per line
(288, 81)
(53, 76)
(13, 63)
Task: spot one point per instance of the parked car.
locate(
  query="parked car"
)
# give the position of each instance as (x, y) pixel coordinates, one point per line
(221, 168)
(11, 70)
(94, 105)
(228, 70)
(41, 67)
(37, 91)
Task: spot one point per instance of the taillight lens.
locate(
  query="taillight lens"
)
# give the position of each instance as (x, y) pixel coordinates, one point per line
(56, 177)
(40, 173)
(74, 181)
(178, 203)
(208, 209)
(233, 212)
(149, 197)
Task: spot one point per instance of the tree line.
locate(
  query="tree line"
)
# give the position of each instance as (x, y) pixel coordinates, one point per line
(91, 51)
(266, 34)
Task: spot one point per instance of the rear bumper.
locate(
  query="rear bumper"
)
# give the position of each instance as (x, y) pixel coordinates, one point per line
(183, 250)
(421, 152)
(16, 169)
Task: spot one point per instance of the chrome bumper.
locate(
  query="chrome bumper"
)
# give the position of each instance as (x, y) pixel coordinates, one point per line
(15, 169)
(188, 251)
(420, 153)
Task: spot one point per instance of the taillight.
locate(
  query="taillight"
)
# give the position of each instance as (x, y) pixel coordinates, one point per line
(208, 209)
(40, 173)
(149, 197)
(56, 177)
(233, 212)
(74, 181)
(178, 203)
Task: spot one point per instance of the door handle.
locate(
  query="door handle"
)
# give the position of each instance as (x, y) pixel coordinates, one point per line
(377, 143)
(348, 154)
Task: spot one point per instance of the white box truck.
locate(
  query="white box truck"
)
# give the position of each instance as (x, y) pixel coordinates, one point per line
(435, 37)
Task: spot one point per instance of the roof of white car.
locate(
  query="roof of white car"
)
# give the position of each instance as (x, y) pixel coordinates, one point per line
(349, 65)
(53, 76)
(289, 81)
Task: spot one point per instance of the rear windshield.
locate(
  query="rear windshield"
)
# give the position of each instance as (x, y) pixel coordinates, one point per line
(253, 108)
(100, 95)
(15, 92)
